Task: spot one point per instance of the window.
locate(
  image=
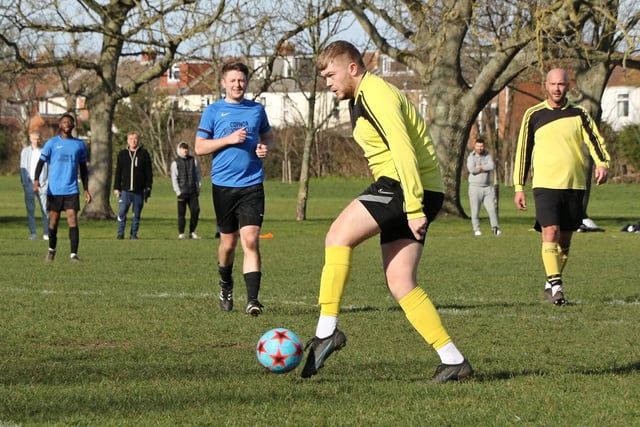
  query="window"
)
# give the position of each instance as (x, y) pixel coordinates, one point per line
(423, 106)
(386, 65)
(260, 67)
(286, 68)
(623, 105)
(173, 75)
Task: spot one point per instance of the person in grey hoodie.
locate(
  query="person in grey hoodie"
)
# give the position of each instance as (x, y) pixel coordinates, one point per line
(480, 164)
(185, 178)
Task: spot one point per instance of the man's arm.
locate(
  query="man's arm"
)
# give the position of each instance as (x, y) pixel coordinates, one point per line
(266, 142)
(148, 172)
(174, 177)
(36, 177)
(84, 177)
(204, 146)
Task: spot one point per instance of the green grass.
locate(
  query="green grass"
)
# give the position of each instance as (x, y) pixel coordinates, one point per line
(133, 335)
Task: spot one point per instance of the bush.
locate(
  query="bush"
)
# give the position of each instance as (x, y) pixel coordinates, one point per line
(628, 145)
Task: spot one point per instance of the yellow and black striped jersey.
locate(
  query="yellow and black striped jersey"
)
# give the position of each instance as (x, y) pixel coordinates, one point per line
(395, 140)
(550, 144)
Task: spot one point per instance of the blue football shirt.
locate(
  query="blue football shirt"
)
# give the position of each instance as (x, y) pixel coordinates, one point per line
(63, 156)
(235, 165)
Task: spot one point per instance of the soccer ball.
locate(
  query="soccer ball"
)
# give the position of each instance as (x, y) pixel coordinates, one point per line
(279, 350)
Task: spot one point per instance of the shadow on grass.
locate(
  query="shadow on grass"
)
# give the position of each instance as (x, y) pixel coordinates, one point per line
(489, 304)
(507, 375)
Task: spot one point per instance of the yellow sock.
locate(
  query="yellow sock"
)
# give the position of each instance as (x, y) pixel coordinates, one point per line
(337, 263)
(551, 260)
(564, 256)
(424, 317)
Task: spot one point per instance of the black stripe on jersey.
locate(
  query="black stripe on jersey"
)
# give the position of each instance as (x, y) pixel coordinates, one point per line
(529, 142)
(207, 131)
(359, 108)
(544, 116)
(593, 139)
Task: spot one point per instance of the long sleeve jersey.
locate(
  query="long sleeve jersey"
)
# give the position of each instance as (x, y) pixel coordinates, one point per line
(550, 143)
(395, 140)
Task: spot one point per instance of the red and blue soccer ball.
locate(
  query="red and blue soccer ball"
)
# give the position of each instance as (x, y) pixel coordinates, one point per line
(279, 350)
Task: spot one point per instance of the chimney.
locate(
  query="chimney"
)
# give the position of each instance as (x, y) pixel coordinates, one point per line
(148, 56)
(287, 48)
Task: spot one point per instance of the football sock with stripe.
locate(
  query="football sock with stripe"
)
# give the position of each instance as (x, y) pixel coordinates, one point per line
(564, 256)
(551, 261)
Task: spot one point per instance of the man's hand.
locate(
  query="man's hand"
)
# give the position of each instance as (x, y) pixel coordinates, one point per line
(147, 194)
(418, 227)
(237, 137)
(520, 200)
(262, 150)
(602, 174)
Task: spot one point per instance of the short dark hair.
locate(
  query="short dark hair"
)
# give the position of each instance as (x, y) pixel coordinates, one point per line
(235, 66)
(183, 145)
(480, 138)
(73, 119)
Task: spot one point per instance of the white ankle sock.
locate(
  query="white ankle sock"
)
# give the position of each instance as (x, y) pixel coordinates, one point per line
(450, 355)
(326, 326)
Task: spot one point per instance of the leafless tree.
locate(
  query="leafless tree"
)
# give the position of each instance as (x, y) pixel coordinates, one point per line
(95, 37)
(318, 109)
(441, 40)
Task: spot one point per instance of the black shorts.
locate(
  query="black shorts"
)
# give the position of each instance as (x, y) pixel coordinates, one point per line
(63, 203)
(558, 207)
(236, 207)
(384, 200)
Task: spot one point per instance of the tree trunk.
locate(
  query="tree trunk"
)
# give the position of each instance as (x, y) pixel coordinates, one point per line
(303, 186)
(449, 128)
(101, 166)
(591, 81)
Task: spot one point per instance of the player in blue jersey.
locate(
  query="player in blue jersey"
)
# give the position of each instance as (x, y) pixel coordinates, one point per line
(64, 154)
(237, 133)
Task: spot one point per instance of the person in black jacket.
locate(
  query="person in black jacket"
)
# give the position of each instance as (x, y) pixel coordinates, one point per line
(132, 183)
(186, 181)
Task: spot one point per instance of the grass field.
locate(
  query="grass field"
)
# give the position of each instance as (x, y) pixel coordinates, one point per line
(133, 334)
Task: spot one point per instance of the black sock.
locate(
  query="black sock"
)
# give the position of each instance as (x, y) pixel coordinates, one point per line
(53, 238)
(74, 238)
(226, 275)
(252, 281)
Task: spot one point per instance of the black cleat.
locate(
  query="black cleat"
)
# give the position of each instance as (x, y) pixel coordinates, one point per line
(226, 298)
(557, 298)
(445, 373)
(321, 348)
(51, 255)
(254, 308)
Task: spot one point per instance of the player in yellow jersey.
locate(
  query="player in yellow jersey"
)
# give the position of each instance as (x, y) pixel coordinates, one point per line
(550, 142)
(399, 205)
